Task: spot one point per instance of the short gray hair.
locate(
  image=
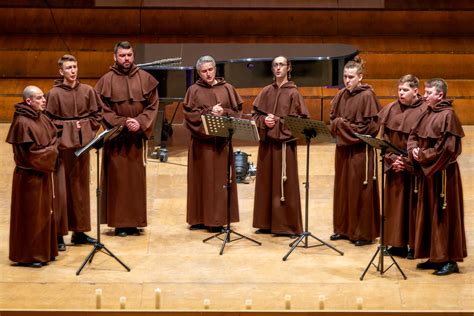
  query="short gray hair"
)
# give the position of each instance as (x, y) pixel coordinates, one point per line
(29, 91)
(439, 84)
(204, 60)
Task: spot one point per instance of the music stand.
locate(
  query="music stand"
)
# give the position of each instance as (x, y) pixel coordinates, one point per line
(308, 129)
(98, 143)
(223, 126)
(384, 147)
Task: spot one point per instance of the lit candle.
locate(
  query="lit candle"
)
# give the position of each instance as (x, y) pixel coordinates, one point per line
(157, 298)
(287, 301)
(248, 304)
(207, 303)
(98, 298)
(322, 298)
(123, 301)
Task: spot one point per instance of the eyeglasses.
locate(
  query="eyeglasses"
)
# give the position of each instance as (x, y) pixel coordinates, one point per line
(276, 65)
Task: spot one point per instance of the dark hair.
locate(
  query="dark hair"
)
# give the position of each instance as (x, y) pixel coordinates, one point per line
(356, 63)
(123, 45)
(412, 81)
(288, 63)
(65, 58)
(439, 84)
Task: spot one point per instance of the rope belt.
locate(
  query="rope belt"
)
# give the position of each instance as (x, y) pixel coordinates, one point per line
(443, 189)
(366, 181)
(374, 157)
(415, 190)
(283, 171)
(374, 177)
(52, 184)
(144, 152)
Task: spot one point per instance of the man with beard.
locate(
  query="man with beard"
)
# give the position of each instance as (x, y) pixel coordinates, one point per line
(397, 119)
(75, 109)
(434, 144)
(356, 197)
(130, 100)
(34, 140)
(207, 155)
(277, 205)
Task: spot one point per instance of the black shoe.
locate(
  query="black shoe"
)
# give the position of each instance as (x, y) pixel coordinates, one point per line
(338, 237)
(133, 231)
(362, 242)
(215, 229)
(61, 244)
(35, 264)
(121, 232)
(428, 265)
(197, 227)
(80, 238)
(411, 254)
(288, 235)
(263, 231)
(398, 251)
(447, 269)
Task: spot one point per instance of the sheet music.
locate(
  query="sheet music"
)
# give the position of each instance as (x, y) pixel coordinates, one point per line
(220, 126)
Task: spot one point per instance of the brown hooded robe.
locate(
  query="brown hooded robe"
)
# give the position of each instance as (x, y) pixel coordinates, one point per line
(207, 155)
(356, 197)
(32, 229)
(66, 106)
(276, 209)
(440, 234)
(397, 119)
(126, 94)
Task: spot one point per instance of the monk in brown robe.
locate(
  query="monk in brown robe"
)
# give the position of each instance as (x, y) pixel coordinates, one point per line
(130, 99)
(75, 109)
(435, 144)
(356, 197)
(208, 155)
(397, 119)
(34, 140)
(277, 205)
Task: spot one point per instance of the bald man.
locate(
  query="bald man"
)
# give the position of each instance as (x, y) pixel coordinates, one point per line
(34, 141)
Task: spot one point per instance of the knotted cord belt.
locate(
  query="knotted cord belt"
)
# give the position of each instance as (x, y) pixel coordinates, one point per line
(283, 171)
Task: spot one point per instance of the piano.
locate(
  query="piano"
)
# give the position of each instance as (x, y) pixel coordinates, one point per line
(242, 65)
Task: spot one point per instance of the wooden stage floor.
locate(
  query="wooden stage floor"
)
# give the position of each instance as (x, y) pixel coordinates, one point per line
(170, 257)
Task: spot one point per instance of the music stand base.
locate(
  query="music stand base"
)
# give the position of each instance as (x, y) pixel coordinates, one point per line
(303, 238)
(228, 231)
(100, 247)
(381, 250)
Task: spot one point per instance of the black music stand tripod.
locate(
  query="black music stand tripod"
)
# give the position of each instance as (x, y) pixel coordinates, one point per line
(308, 129)
(98, 143)
(228, 127)
(384, 147)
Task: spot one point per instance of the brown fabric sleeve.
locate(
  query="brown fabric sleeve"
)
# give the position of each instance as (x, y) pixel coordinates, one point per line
(147, 118)
(110, 118)
(38, 158)
(446, 149)
(192, 114)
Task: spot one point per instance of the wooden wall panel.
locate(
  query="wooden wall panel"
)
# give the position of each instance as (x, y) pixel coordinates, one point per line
(406, 22)
(7, 107)
(465, 110)
(235, 22)
(43, 64)
(365, 44)
(448, 66)
(238, 22)
(70, 21)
